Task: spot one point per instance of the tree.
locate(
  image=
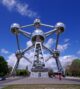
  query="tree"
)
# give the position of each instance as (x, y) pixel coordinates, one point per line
(3, 66)
(9, 70)
(67, 70)
(75, 67)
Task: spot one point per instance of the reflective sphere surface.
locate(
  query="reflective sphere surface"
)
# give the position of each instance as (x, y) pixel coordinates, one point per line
(38, 33)
(60, 24)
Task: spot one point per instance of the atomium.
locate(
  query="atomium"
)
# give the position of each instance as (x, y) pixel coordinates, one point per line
(38, 37)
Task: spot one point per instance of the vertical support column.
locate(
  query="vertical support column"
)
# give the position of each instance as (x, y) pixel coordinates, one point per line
(39, 59)
(59, 66)
(18, 56)
(56, 56)
(38, 52)
(13, 72)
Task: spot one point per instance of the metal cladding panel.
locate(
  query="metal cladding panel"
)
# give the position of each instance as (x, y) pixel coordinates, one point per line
(60, 24)
(15, 25)
(38, 32)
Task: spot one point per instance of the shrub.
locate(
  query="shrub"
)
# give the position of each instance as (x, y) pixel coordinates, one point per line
(22, 72)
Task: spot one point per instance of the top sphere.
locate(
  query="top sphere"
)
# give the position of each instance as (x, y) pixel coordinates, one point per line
(37, 21)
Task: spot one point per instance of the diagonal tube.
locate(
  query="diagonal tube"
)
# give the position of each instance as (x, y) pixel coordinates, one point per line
(47, 49)
(27, 34)
(48, 58)
(57, 41)
(27, 49)
(25, 26)
(17, 39)
(46, 25)
(50, 32)
(27, 59)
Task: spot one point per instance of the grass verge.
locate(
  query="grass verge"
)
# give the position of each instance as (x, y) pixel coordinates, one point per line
(44, 86)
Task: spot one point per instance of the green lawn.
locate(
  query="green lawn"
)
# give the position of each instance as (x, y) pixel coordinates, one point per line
(40, 86)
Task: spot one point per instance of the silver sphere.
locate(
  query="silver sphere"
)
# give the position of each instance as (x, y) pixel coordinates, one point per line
(14, 28)
(18, 55)
(60, 26)
(38, 34)
(37, 23)
(56, 54)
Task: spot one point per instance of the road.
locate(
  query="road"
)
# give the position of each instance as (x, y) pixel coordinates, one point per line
(29, 80)
(8, 80)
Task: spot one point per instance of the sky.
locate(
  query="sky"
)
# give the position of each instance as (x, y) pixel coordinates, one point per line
(50, 12)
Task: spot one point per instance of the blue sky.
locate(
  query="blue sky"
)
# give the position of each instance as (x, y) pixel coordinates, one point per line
(50, 12)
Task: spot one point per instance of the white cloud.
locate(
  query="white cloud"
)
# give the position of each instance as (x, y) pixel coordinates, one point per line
(66, 40)
(23, 63)
(12, 59)
(9, 3)
(65, 60)
(49, 43)
(29, 43)
(4, 51)
(22, 8)
(63, 47)
(78, 52)
(50, 63)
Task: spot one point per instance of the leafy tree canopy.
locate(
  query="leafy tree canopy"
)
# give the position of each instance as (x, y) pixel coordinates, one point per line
(3, 66)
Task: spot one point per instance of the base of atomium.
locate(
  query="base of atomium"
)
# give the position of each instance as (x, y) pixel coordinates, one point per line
(39, 69)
